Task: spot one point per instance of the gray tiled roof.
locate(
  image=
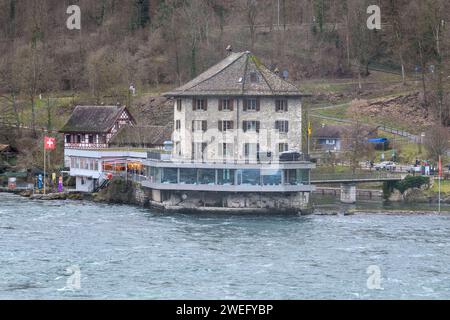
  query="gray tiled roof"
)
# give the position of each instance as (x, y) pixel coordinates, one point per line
(92, 119)
(232, 76)
(143, 136)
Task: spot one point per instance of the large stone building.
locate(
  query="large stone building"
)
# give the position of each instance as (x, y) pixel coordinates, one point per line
(231, 126)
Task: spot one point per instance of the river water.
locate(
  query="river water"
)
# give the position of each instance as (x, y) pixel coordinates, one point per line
(123, 252)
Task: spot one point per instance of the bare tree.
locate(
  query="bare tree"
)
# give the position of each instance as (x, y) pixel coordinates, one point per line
(437, 142)
(355, 138)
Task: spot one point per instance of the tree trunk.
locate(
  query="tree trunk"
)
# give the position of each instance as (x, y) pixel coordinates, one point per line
(193, 60)
(33, 116)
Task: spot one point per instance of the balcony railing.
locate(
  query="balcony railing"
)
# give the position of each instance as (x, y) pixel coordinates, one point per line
(87, 146)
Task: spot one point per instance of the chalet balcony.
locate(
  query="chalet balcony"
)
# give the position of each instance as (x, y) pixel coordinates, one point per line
(86, 146)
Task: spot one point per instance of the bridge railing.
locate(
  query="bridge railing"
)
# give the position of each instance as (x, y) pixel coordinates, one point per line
(375, 175)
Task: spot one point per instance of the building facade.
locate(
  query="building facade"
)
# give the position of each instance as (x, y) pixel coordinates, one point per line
(232, 126)
(87, 138)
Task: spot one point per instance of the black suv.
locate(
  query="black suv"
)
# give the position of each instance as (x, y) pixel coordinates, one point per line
(290, 156)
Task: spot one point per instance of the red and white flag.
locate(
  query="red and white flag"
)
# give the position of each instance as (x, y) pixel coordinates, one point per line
(440, 167)
(49, 143)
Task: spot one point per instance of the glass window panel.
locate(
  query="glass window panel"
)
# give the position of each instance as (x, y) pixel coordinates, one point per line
(207, 176)
(226, 177)
(169, 175)
(188, 176)
(251, 177)
(271, 177)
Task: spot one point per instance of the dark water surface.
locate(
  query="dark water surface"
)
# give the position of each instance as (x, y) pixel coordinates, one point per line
(124, 252)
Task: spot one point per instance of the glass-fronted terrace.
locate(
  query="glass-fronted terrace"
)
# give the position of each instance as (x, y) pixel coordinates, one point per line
(229, 177)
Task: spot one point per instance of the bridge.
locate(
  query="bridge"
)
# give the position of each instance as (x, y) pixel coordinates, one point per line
(348, 181)
(359, 177)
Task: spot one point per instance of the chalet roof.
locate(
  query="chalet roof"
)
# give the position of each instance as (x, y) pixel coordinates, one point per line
(143, 136)
(337, 132)
(233, 76)
(334, 132)
(93, 119)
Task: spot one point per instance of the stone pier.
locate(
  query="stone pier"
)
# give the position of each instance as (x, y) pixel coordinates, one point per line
(348, 193)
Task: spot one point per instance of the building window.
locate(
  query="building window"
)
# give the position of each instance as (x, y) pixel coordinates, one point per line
(254, 77)
(91, 139)
(199, 125)
(199, 151)
(281, 105)
(226, 177)
(252, 126)
(226, 150)
(178, 125)
(226, 105)
(283, 147)
(179, 105)
(282, 126)
(199, 104)
(68, 138)
(226, 126)
(251, 104)
(188, 176)
(251, 150)
(169, 176)
(251, 177)
(207, 176)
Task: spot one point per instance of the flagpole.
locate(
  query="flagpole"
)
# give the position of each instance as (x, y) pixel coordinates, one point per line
(440, 177)
(45, 167)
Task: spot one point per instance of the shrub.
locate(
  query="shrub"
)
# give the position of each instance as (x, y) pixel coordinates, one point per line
(412, 182)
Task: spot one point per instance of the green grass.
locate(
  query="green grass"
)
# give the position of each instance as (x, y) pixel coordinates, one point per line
(339, 112)
(445, 187)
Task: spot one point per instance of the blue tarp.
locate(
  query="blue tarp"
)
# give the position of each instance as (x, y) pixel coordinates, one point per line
(378, 140)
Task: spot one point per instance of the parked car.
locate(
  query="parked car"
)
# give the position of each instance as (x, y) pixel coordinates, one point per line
(386, 165)
(414, 169)
(290, 156)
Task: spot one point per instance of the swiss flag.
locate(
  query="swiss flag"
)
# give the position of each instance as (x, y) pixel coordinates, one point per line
(440, 167)
(49, 143)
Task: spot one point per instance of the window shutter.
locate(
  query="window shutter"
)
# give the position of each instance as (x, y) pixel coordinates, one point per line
(258, 104)
(287, 105)
(245, 104)
(277, 125)
(232, 125)
(258, 126)
(204, 126)
(231, 102)
(194, 102)
(206, 104)
(287, 126)
(244, 126)
(220, 125)
(220, 104)
(193, 125)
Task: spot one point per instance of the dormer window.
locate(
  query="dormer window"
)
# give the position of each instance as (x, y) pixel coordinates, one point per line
(254, 77)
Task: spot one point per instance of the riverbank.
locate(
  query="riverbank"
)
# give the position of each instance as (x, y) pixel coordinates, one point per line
(329, 207)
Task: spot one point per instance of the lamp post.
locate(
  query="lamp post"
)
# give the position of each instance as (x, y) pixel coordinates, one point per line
(422, 140)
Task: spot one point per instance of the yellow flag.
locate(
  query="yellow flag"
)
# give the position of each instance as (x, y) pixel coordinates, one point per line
(309, 129)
